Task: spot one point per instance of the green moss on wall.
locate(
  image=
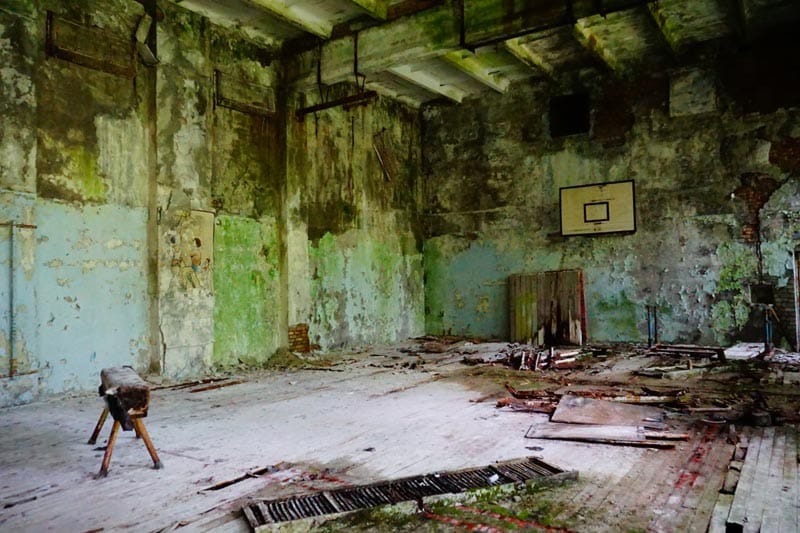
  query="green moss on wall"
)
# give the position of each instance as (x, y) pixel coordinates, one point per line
(247, 291)
(86, 177)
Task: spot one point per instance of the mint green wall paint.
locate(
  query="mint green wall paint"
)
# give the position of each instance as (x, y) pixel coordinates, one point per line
(365, 289)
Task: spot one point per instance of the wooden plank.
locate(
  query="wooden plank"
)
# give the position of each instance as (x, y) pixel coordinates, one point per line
(601, 434)
(738, 511)
(568, 431)
(771, 516)
(585, 431)
(705, 490)
(719, 516)
(758, 493)
(788, 491)
(513, 281)
(250, 516)
(748, 502)
(577, 410)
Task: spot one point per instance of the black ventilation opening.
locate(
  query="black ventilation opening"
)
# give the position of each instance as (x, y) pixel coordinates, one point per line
(569, 114)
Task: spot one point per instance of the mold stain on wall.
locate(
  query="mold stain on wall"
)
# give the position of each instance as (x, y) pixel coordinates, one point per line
(493, 176)
(353, 249)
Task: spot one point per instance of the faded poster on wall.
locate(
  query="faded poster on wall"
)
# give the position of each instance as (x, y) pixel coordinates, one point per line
(192, 245)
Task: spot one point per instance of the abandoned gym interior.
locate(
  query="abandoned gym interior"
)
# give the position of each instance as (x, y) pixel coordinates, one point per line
(399, 265)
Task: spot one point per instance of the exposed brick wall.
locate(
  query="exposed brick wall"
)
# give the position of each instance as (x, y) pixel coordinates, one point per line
(298, 338)
(786, 154)
(754, 191)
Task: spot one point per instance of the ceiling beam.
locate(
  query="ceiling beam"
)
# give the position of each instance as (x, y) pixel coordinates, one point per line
(437, 31)
(518, 49)
(492, 21)
(296, 16)
(406, 40)
(429, 81)
(478, 67)
(378, 9)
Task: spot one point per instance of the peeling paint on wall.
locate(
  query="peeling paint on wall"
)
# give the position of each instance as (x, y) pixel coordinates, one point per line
(358, 285)
(18, 105)
(352, 239)
(492, 209)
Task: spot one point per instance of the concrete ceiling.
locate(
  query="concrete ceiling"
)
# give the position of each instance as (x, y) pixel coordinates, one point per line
(416, 51)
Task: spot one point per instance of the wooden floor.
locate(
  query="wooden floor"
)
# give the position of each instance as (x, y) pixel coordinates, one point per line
(285, 433)
(767, 493)
(663, 490)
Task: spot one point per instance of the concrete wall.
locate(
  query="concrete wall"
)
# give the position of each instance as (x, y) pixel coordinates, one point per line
(79, 277)
(175, 232)
(353, 237)
(689, 140)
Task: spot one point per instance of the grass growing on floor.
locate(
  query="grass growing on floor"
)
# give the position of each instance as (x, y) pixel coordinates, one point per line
(501, 506)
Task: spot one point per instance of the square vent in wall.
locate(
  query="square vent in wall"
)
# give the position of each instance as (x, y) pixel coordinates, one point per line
(569, 115)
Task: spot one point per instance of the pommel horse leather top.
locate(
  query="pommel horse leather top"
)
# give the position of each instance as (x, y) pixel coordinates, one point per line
(127, 398)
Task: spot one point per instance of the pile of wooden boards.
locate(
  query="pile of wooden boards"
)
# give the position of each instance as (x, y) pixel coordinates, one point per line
(530, 357)
(690, 350)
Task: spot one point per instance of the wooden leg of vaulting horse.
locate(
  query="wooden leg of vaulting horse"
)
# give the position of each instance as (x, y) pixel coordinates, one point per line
(109, 448)
(139, 425)
(99, 426)
(136, 430)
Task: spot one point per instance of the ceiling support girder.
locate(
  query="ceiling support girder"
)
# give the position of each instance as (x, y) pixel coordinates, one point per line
(437, 31)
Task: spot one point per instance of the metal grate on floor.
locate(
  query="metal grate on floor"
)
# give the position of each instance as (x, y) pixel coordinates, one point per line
(389, 492)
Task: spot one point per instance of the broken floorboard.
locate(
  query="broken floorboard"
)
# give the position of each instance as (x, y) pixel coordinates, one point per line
(767, 494)
(605, 434)
(663, 490)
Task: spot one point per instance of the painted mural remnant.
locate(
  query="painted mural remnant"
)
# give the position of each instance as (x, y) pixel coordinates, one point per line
(192, 245)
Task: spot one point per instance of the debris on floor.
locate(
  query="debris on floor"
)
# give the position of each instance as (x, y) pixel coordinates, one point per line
(606, 434)
(690, 350)
(530, 357)
(744, 350)
(415, 488)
